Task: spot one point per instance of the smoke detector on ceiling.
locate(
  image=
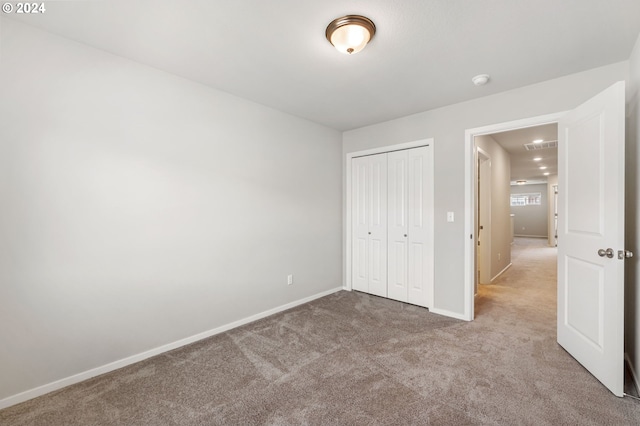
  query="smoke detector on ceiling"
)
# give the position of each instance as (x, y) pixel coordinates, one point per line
(480, 80)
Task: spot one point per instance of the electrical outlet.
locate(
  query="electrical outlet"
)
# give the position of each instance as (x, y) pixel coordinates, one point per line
(289, 279)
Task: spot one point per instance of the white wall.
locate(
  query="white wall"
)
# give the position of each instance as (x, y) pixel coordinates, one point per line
(632, 216)
(532, 220)
(447, 126)
(500, 199)
(139, 208)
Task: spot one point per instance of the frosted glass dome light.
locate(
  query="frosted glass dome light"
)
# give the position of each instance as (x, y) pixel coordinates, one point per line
(350, 34)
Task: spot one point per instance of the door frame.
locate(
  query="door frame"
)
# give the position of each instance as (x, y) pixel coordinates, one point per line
(471, 183)
(348, 285)
(484, 247)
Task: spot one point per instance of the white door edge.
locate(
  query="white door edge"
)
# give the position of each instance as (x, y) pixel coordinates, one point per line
(483, 248)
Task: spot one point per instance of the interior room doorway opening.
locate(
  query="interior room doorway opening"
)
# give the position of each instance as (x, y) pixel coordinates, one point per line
(471, 164)
(591, 205)
(516, 176)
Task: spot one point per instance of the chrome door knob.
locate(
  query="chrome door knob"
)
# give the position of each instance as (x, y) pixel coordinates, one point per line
(608, 253)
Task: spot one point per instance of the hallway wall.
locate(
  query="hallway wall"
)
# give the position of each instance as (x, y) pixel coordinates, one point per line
(532, 220)
(500, 193)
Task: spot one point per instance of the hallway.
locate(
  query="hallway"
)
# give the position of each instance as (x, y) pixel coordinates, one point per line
(528, 285)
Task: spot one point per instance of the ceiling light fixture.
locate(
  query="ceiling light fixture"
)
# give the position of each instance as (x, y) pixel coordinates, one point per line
(543, 167)
(537, 159)
(480, 80)
(538, 141)
(546, 174)
(521, 182)
(350, 34)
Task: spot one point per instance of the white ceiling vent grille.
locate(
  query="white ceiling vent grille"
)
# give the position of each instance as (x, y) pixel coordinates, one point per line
(541, 145)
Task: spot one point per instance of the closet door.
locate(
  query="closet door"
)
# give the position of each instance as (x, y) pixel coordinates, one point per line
(378, 225)
(360, 225)
(410, 265)
(398, 249)
(420, 230)
(369, 213)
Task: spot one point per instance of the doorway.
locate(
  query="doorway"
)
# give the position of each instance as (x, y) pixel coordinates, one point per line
(590, 280)
(471, 163)
(515, 203)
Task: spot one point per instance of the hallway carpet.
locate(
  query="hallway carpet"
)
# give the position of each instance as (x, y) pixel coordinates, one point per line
(354, 359)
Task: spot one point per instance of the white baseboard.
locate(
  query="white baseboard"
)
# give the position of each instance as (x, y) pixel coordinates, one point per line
(501, 272)
(447, 313)
(77, 378)
(442, 312)
(634, 376)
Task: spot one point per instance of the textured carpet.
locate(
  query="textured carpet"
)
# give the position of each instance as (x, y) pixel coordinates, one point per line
(351, 359)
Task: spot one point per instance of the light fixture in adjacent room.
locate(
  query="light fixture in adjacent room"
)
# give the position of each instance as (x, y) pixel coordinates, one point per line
(350, 34)
(521, 182)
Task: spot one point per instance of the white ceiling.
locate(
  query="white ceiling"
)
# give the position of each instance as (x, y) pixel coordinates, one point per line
(423, 56)
(523, 165)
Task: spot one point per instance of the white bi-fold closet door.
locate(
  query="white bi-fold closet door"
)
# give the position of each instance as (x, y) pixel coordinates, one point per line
(392, 216)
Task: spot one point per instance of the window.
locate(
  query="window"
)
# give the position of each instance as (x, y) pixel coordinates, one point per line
(532, 199)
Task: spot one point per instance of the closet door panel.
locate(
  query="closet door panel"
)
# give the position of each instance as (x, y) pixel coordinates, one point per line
(420, 239)
(392, 216)
(360, 225)
(397, 225)
(377, 208)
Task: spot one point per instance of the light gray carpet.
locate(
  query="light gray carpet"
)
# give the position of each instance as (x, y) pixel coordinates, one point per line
(351, 358)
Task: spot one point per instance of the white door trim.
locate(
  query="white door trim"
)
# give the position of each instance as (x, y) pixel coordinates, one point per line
(469, 191)
(485, 248)
(347, 285)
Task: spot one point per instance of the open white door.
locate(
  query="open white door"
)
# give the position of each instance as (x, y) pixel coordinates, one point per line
(591, 235)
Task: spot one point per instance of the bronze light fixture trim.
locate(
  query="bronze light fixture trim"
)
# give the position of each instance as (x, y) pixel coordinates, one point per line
(351, 33)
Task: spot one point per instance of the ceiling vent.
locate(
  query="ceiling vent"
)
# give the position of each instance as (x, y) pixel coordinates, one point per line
(541, 145)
